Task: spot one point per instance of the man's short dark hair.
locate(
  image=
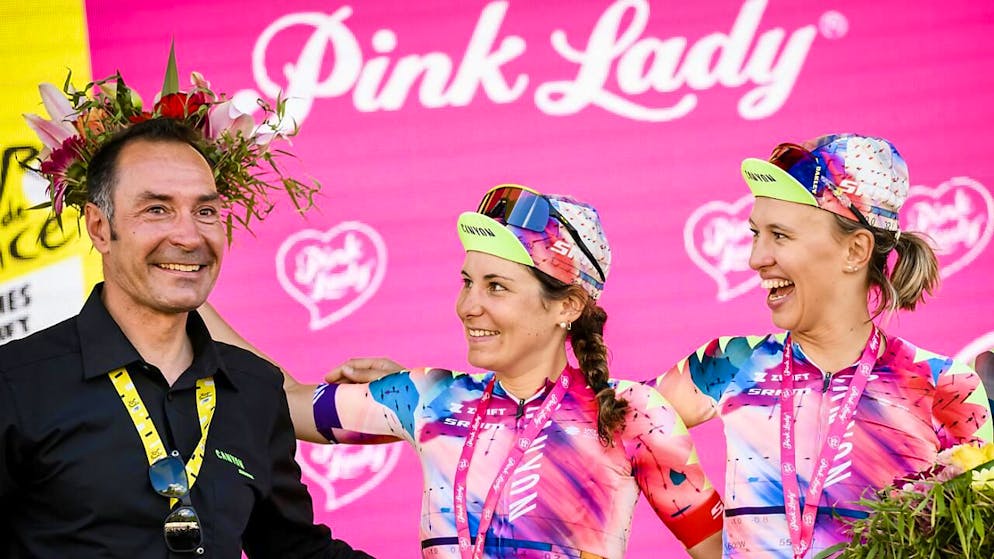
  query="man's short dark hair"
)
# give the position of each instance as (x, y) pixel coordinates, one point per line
(102, 170)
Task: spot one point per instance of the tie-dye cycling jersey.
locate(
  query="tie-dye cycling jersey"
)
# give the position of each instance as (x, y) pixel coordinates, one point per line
(916, 403)
(569, 497)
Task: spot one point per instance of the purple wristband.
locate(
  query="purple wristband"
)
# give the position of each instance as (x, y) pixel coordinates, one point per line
(325, 411)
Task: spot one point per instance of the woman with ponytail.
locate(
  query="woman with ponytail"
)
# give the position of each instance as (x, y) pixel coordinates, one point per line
(537, 458)
(833, 408)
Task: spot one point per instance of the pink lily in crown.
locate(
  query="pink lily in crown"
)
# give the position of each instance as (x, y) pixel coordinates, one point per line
(238, 150)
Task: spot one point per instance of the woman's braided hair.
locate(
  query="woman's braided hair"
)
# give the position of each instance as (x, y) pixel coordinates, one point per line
(586, 336)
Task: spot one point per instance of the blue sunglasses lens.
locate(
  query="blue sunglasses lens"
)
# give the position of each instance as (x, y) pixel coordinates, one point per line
(530, 212)
(518, 207)
(800, 164)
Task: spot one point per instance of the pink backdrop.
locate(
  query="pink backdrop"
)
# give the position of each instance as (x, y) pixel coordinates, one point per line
(642, 108)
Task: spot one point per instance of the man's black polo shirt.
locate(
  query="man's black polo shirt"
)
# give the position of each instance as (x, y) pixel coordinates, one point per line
(74, 474)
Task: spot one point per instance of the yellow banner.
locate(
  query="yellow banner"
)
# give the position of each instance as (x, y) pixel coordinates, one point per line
(46, 270)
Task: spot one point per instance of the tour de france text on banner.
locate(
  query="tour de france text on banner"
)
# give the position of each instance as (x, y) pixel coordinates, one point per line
(46, 269)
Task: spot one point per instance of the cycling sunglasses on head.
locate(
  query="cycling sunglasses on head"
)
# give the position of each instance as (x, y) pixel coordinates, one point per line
(182, 527)
(527, 209)
(801, 164)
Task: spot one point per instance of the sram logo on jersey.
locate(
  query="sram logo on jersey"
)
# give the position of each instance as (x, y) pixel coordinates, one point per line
(772, 383)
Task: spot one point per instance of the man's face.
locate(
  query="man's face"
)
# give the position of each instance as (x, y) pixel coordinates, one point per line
(169, 241)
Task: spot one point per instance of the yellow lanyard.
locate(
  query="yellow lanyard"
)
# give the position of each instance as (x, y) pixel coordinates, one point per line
(154, 449)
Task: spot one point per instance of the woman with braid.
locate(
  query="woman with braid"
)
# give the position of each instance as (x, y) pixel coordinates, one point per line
(537, 458)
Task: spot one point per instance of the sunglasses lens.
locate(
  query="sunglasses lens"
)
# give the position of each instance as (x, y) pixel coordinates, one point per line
(168, 477)
(182, 530)
(531, 212)
(517, 207)
(800, 164)
(498, 202)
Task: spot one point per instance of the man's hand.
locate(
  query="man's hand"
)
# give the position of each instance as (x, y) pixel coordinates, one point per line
(363, 369)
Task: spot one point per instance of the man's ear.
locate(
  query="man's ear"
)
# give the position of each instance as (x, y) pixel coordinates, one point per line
(98, 227)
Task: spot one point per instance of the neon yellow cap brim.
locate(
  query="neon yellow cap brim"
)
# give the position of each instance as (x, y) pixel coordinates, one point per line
(767, 180)
(483, 234)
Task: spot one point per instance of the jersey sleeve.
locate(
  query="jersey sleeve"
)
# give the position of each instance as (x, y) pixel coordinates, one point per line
(960, 410)
(666, 466)
(695, 384)
(381, 411)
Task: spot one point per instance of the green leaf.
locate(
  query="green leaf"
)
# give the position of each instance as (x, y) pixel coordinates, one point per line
(171, 82)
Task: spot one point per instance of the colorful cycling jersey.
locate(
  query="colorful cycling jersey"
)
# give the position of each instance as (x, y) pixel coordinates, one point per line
(915, 404)
(569, 497)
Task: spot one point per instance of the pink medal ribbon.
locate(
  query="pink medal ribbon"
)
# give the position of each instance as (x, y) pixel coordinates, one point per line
(568, 378)
(802, 526)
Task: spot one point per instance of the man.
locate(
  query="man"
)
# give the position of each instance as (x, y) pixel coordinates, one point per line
(99, 414)
(984, 365)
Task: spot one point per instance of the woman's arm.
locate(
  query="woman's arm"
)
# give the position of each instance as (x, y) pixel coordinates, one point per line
(961, 411)
(681, 385)
(659, 446)
(710, 548)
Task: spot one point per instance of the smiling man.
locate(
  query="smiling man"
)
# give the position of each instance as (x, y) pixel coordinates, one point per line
(126, 431)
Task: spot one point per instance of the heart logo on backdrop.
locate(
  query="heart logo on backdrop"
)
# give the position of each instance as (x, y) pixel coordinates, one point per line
(332, 273)
(958, 215)
(346, 472)
(718, 240)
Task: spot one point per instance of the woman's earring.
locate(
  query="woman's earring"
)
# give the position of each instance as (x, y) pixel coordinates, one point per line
(566, 326)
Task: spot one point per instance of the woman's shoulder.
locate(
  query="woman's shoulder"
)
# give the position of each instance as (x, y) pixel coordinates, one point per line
(902, 353)
(740, 345)
(640, 396)
(428, 377)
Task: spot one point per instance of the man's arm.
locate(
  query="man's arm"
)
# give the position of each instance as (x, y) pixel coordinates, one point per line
(282, 523)
(984, 365)
(357, 370)
(8, 423)
(300, 395)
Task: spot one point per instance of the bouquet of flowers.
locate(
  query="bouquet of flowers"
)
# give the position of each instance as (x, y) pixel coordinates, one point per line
(239, 151)
(944, 512)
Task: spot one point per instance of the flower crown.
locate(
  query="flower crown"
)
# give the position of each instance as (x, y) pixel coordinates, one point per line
(238, 151)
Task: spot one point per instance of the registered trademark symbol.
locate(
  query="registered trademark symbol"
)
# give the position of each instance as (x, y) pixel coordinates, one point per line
(833, 25)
